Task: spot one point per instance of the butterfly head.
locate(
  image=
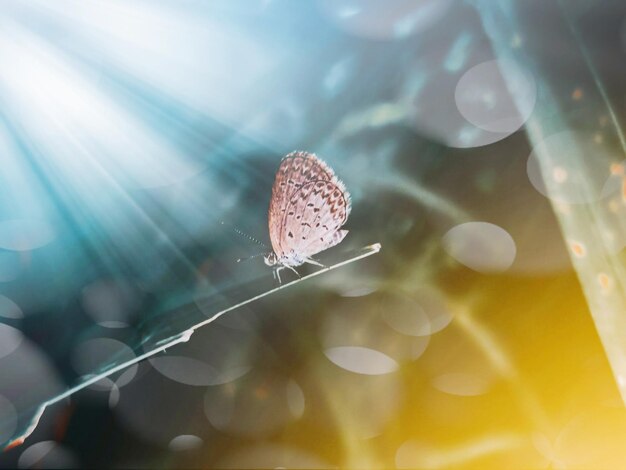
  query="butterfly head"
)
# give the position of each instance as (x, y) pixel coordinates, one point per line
(271, 259)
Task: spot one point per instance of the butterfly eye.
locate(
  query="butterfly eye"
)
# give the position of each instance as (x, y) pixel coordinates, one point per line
(270, 259)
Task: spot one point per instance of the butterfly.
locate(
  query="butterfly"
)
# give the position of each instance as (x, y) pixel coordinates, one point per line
(309, 206)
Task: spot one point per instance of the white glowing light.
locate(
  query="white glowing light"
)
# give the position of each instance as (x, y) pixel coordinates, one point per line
(9, 309)
(68, 113)
(496, 96)
(25, 234)
(47, 454)
(10, 339)
(406, 316)
(361, 360)
(573, 176)
(481, 246)
(185, 442)
(382, 20)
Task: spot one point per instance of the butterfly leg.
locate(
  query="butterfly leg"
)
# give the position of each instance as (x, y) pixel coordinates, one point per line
(279, 268)
(312, 261)
(277, 273)
(294, 270)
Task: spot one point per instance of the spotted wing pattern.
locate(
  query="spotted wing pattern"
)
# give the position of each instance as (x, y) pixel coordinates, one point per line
(314, 216)
(295, 169)
(309, 205)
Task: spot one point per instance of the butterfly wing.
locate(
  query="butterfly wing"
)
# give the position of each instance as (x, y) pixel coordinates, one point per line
(295, 170)
(314, 217)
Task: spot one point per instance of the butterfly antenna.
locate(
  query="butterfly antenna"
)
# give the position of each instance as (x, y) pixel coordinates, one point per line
(245, 235)
(250, 257)
(249, 237)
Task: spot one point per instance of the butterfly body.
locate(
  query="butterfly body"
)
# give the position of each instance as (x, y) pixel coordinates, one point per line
(309, 205)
